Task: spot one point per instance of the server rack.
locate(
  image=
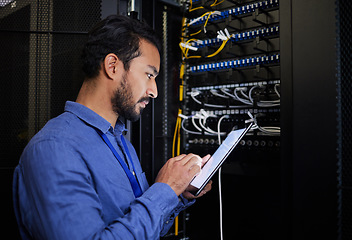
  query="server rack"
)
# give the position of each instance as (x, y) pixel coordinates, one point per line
(288, 191)
(231, 66)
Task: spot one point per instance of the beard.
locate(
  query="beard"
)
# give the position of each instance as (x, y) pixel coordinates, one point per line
(123, 104)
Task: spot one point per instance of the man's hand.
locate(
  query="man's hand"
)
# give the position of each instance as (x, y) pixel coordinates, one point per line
(179, 171)
(188, 192)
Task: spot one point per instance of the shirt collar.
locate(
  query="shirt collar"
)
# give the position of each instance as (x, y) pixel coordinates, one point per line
(92, 118)
(119, 127)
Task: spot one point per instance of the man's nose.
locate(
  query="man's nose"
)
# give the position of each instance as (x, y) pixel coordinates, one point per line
(152, 90)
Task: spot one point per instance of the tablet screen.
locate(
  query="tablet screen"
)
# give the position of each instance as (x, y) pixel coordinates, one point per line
(218, 158)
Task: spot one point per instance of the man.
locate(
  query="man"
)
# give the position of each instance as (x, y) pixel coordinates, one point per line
(78, 178)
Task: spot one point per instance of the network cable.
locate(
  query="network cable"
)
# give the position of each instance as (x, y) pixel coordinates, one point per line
(186, 46)
(249, 8)
(235, 63)
(195, 93)
(206, 16)
(238, 36)
(202, 116)
(266, 130)
(177, 145)
(247, 99)
(219, 179)
(191, 9)
(222, 38)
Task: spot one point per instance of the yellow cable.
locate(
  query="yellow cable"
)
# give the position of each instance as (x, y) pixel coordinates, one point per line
(176, 225)
(215, 3)
(177, 134)
(193, 9)
(192, 34)
(205, 24)
(206, 21)
(219, 49)
(181, 93)
(182, 71)
(174, 139)
(178, 153)
(185, 52)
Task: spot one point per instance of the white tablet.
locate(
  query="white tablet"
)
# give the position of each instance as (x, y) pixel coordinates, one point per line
(218, 158)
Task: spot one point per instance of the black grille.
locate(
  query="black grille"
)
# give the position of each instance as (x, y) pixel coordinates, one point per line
(39, 65)
(344, 89)
(78, 15)
(14, 68)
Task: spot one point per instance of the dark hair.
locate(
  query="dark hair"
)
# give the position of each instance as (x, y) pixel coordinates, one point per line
(119, 35)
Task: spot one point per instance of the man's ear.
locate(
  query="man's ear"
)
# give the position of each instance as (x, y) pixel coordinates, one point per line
(111, 64)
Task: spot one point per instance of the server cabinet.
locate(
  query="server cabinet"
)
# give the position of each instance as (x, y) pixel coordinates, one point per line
(308, 72)
(288, 190)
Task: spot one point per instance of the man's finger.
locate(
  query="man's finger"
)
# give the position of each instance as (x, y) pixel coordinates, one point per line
(205, 159)
(189, 158)
(207, 188)
(179, 157)
(195, 169)
(194, 160)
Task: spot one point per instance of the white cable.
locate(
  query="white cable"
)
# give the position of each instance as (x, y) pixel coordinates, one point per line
(205, 104)
(266, 130)
(224, 36)
(272, 103)
(250, 100)
(195, 125)
(194, 94)
(219, 124)
(244, 94)
(245, 101)
(186, 130)
(202, 122)
(215, 93)
(207, 130)
(276, 91)
(220, 205)
(221, 35)
(270, 130)
(219, 175)
(194, 21)
(250, 93)
(188, 46)
(224, 90)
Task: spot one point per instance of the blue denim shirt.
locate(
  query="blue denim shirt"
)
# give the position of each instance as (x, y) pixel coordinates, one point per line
(69, 185)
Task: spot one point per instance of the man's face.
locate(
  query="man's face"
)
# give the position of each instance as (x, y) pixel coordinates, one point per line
(137, 84)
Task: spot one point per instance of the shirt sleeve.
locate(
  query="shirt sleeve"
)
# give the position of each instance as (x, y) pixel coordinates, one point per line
(182, 204)
(169, 220)
(56, 199)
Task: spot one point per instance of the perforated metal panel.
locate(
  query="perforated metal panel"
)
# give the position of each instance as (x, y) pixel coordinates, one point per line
(39, 65)
(344, 89)
(14, 69)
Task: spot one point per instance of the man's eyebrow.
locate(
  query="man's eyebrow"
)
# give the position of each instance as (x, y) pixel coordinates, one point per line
(156, 73)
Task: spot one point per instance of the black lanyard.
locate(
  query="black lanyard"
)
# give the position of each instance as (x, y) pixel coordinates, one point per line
(131, 176)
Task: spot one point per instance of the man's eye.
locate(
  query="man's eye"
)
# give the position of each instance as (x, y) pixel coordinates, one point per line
(149, 75)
